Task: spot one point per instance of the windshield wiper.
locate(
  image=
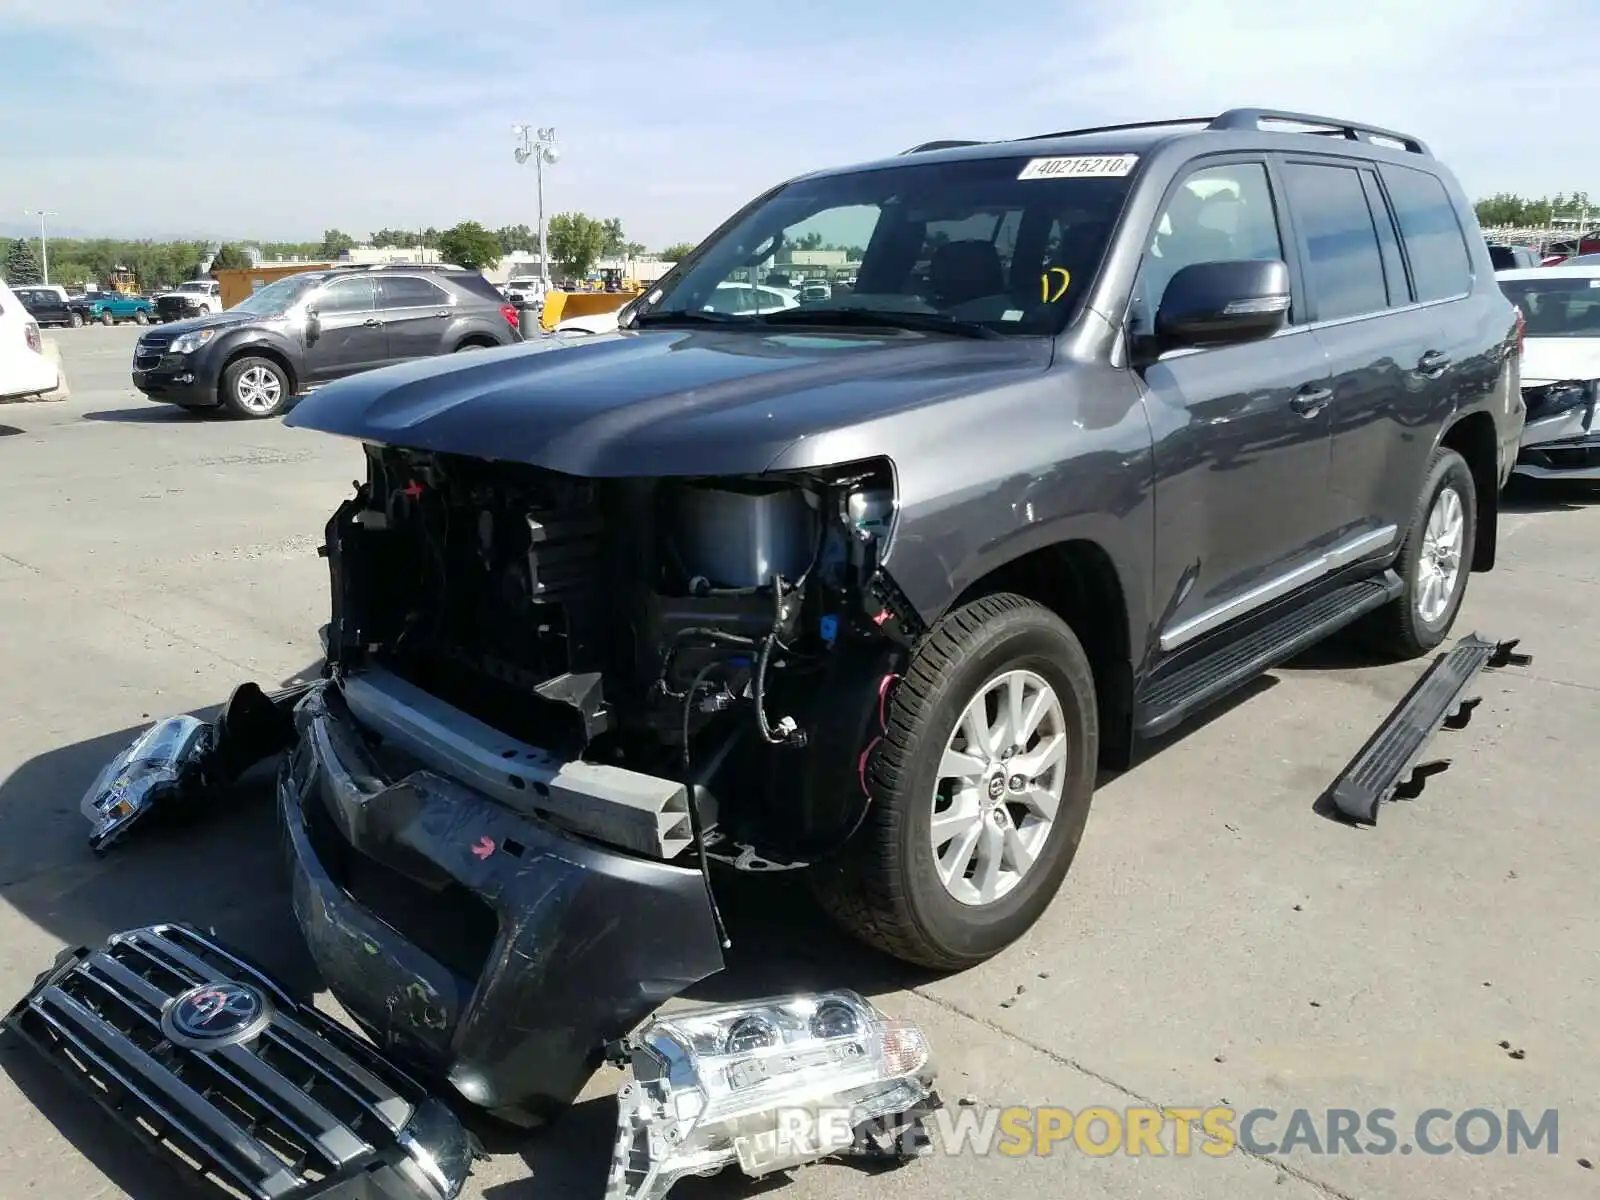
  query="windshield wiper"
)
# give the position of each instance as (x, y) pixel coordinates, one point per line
(879, 319)
(687, 318)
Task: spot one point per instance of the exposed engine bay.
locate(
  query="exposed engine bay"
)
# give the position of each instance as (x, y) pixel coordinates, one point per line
(701, 630)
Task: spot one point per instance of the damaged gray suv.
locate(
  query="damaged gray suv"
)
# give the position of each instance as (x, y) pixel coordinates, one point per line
(870, 585)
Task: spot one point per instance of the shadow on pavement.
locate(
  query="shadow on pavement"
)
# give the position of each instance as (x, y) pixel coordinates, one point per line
(1523, 495)
(152, 414)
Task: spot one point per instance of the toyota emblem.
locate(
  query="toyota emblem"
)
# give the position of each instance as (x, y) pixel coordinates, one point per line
(215, 1015)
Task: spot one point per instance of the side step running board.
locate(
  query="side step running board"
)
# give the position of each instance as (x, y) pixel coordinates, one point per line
(1178, 696)
(1391, 753)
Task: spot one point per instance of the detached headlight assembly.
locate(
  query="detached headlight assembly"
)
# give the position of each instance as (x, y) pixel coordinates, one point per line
(188, 343)
(769, 1085)
(150, 768)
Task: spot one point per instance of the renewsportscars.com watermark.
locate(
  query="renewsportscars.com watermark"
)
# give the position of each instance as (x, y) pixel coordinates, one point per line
(1215, 1131)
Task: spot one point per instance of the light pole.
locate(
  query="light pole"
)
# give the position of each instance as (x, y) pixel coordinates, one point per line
(44, 236)
(539, 145)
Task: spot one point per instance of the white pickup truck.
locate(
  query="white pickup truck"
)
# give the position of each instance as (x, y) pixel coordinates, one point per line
(194, 298)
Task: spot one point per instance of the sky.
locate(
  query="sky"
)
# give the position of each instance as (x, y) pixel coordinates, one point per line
(277, 119)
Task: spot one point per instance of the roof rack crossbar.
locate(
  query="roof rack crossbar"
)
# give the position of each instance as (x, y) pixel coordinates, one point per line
(941, 144)
(1040, 137)
(1251, 118)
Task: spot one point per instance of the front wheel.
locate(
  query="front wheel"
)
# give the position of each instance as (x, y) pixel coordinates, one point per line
(980, 789)
(76, 320)
(254, 388)
(141, 317)
(106, 318)
(1434, 561)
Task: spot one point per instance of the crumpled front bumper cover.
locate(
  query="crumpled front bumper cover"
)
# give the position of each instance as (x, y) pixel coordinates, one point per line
(189, 1046)
(479, 943)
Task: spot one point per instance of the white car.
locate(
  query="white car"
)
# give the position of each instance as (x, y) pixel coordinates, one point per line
(24, 369)
(1560, 369)
(735, 299)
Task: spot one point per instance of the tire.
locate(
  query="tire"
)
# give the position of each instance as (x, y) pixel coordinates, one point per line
(76, 320)
(141, 317)
(254, 388)
(885, 886)
(106, 318)
(468, 346)
(1418, 620)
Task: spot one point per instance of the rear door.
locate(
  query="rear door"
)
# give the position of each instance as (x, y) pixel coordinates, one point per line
(416, 313)
(1395, 325)
(1241, 431)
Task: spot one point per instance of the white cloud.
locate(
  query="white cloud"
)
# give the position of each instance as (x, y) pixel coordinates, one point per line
(282, 117)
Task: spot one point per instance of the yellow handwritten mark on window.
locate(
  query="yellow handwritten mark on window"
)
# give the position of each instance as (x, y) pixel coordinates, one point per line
(1058, 278)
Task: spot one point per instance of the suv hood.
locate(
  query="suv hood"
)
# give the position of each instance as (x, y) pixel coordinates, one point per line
(221, 320)
(661, 402)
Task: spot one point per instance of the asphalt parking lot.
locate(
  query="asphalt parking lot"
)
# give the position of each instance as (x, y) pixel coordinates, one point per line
(1218, 942)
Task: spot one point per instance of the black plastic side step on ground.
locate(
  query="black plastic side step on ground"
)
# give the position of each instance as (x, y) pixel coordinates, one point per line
(1391, 753)
(1194, 686)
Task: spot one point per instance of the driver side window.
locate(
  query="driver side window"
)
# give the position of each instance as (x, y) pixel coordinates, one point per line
(1218, 214)
(345, 296)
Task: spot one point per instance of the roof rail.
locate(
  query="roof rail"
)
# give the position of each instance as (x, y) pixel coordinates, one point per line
(1040, 137)
(396, 266)
(1251, 118)
(943, 144)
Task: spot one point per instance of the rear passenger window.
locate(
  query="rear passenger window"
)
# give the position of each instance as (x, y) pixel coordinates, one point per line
(1344, 266)
(407, 291)
(1440, 264)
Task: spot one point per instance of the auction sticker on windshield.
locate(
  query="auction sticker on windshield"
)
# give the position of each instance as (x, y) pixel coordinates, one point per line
(1080, 166)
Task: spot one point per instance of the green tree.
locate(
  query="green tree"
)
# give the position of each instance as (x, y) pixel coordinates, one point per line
(576, 241)
(231, 256)
(471, 245)
(616, 239)
(21, 266)
(516, 237)
(1508, 208)
(677, 252)
(398, 239)
(633, 249)
(335, 242)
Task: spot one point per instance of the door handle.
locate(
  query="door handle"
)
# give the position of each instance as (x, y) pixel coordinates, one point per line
(1433, 362)
(442, 313)
(1308, 402)
(372, 322)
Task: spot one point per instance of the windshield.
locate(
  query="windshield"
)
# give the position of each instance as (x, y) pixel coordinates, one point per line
(1557, 307)
(982, 242)
(276, 298)
(192, 287)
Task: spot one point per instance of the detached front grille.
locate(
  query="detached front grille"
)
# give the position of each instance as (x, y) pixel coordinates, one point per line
(200, 1053)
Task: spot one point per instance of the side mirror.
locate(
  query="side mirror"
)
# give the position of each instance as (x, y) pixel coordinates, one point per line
(1223, 303)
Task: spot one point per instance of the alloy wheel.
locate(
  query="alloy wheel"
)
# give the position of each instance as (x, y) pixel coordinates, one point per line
(1439, 565)
(259, 390)
(1000, 783)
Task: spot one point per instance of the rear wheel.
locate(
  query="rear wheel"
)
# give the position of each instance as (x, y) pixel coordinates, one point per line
(254, 388)
(75, 320)
(106, 318)
(980, 789)
(141, 317)
(1434, 561)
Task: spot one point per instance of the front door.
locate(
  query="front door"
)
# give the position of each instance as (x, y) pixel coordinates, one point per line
(415, 312)
(1241, 432)
(344, 332)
